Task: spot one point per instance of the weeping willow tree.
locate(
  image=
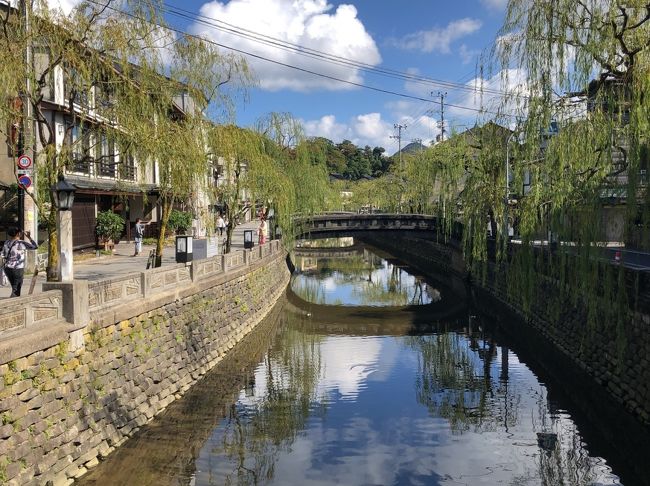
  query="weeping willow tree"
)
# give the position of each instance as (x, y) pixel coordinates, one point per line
(587, 67)
(237, 151)
(295, 156)
(117, 76)
(84, 63)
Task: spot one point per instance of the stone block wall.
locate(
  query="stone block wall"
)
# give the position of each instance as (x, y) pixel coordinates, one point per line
(62, 408)
(623, 370)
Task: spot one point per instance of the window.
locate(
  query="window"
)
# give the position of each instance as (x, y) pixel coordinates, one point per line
(106, 156)
(79, 140)
(127, 168)
(104, 97)
(75, 88)
(41, 64)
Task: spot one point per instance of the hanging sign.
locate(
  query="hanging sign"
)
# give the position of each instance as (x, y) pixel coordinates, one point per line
(24, 162)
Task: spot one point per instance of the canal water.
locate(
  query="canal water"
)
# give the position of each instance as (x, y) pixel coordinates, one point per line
(367, 374)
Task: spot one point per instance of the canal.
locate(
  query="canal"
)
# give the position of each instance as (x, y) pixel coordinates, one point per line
(368, 374)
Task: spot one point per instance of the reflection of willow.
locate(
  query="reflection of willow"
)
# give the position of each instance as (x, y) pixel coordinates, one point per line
(350, 268)
(454, 384)
(562, 462)
(390, 292)
(310, 290)
(254, 436)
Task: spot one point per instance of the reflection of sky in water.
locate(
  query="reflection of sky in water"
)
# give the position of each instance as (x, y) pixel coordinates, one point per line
(377, 429)
(364, 280)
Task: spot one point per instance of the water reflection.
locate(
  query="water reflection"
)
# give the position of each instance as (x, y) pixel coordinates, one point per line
(353, 398)
(357, 275)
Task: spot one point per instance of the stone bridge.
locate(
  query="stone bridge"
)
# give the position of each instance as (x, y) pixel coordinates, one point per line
(349, 224)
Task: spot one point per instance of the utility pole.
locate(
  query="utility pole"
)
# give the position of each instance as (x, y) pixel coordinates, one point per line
(27, 218)
(442, 114)
(399, 140)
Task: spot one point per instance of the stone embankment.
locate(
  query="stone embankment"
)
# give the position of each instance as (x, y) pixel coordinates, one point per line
(621, 367)
(82, 367)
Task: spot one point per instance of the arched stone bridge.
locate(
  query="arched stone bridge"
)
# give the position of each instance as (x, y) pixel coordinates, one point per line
(349, 224)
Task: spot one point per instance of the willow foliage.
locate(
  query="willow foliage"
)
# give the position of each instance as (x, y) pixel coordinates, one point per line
(126, 79)
(564, 164)
(586, 182)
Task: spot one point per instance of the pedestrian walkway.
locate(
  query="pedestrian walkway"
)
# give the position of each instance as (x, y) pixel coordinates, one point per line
(122, 261)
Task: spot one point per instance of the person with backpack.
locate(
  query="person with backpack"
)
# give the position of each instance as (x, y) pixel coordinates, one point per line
(139, 234)
(13, 252)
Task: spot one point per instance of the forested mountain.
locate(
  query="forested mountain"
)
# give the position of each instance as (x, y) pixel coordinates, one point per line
(348, 160)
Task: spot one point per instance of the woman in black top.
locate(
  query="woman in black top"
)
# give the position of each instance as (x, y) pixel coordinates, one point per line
(13, 252)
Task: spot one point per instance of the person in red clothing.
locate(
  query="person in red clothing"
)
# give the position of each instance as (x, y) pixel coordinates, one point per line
(261, 232)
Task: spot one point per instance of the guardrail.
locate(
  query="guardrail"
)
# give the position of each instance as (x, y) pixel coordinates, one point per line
(24, 312)
(131, 287)
(46, 308)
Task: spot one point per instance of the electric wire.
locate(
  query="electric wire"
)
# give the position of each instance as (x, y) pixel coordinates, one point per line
(296, 68)
(315, 53)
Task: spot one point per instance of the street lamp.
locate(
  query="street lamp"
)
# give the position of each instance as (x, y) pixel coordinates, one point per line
(507, 191)
(63, 194)
(63, 197)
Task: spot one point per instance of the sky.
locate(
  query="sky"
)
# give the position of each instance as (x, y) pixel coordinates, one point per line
(439, 40)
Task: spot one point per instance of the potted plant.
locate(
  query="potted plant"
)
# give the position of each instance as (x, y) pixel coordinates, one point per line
(109, 228)
(179, 221)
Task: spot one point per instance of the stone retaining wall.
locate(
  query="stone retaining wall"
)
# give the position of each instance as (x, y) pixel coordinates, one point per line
(80, 394)
(625, 374)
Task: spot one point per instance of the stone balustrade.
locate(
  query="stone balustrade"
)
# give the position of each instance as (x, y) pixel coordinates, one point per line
(17, 315)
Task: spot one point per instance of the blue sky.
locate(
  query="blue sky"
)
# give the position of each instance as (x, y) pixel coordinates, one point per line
(435, 39)
(440, 40)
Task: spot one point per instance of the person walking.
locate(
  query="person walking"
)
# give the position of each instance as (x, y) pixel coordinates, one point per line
(221, 224)
(13, 252)
(261, 232)
(139, 234)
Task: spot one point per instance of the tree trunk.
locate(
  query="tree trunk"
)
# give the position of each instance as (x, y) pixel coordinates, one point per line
(52, 249)
(166, 211)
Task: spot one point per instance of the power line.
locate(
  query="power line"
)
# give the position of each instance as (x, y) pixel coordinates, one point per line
(315, 53)
(297, 68)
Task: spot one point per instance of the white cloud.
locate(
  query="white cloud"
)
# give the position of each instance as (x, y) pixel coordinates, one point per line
(487, 95)
(495, 4)
(309, 23)
(468, 55)
(64, 6)
(439, 38)
(373, 130)
(327, 127)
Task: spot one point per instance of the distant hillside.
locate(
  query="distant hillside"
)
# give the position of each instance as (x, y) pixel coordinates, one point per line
(412, 148)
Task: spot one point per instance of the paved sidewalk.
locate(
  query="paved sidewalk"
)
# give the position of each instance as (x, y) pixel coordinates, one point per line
(123, 262)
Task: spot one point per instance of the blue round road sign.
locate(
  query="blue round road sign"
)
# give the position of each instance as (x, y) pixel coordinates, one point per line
(25, 181)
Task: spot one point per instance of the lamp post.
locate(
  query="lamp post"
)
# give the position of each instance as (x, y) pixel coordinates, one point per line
(507, 189)
(63, 197)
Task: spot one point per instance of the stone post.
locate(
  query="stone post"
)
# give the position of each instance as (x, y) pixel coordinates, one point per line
(75, 307)
(64, 230)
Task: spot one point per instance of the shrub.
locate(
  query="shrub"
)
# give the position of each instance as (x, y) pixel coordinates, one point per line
(179, 221)
(109, 226)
